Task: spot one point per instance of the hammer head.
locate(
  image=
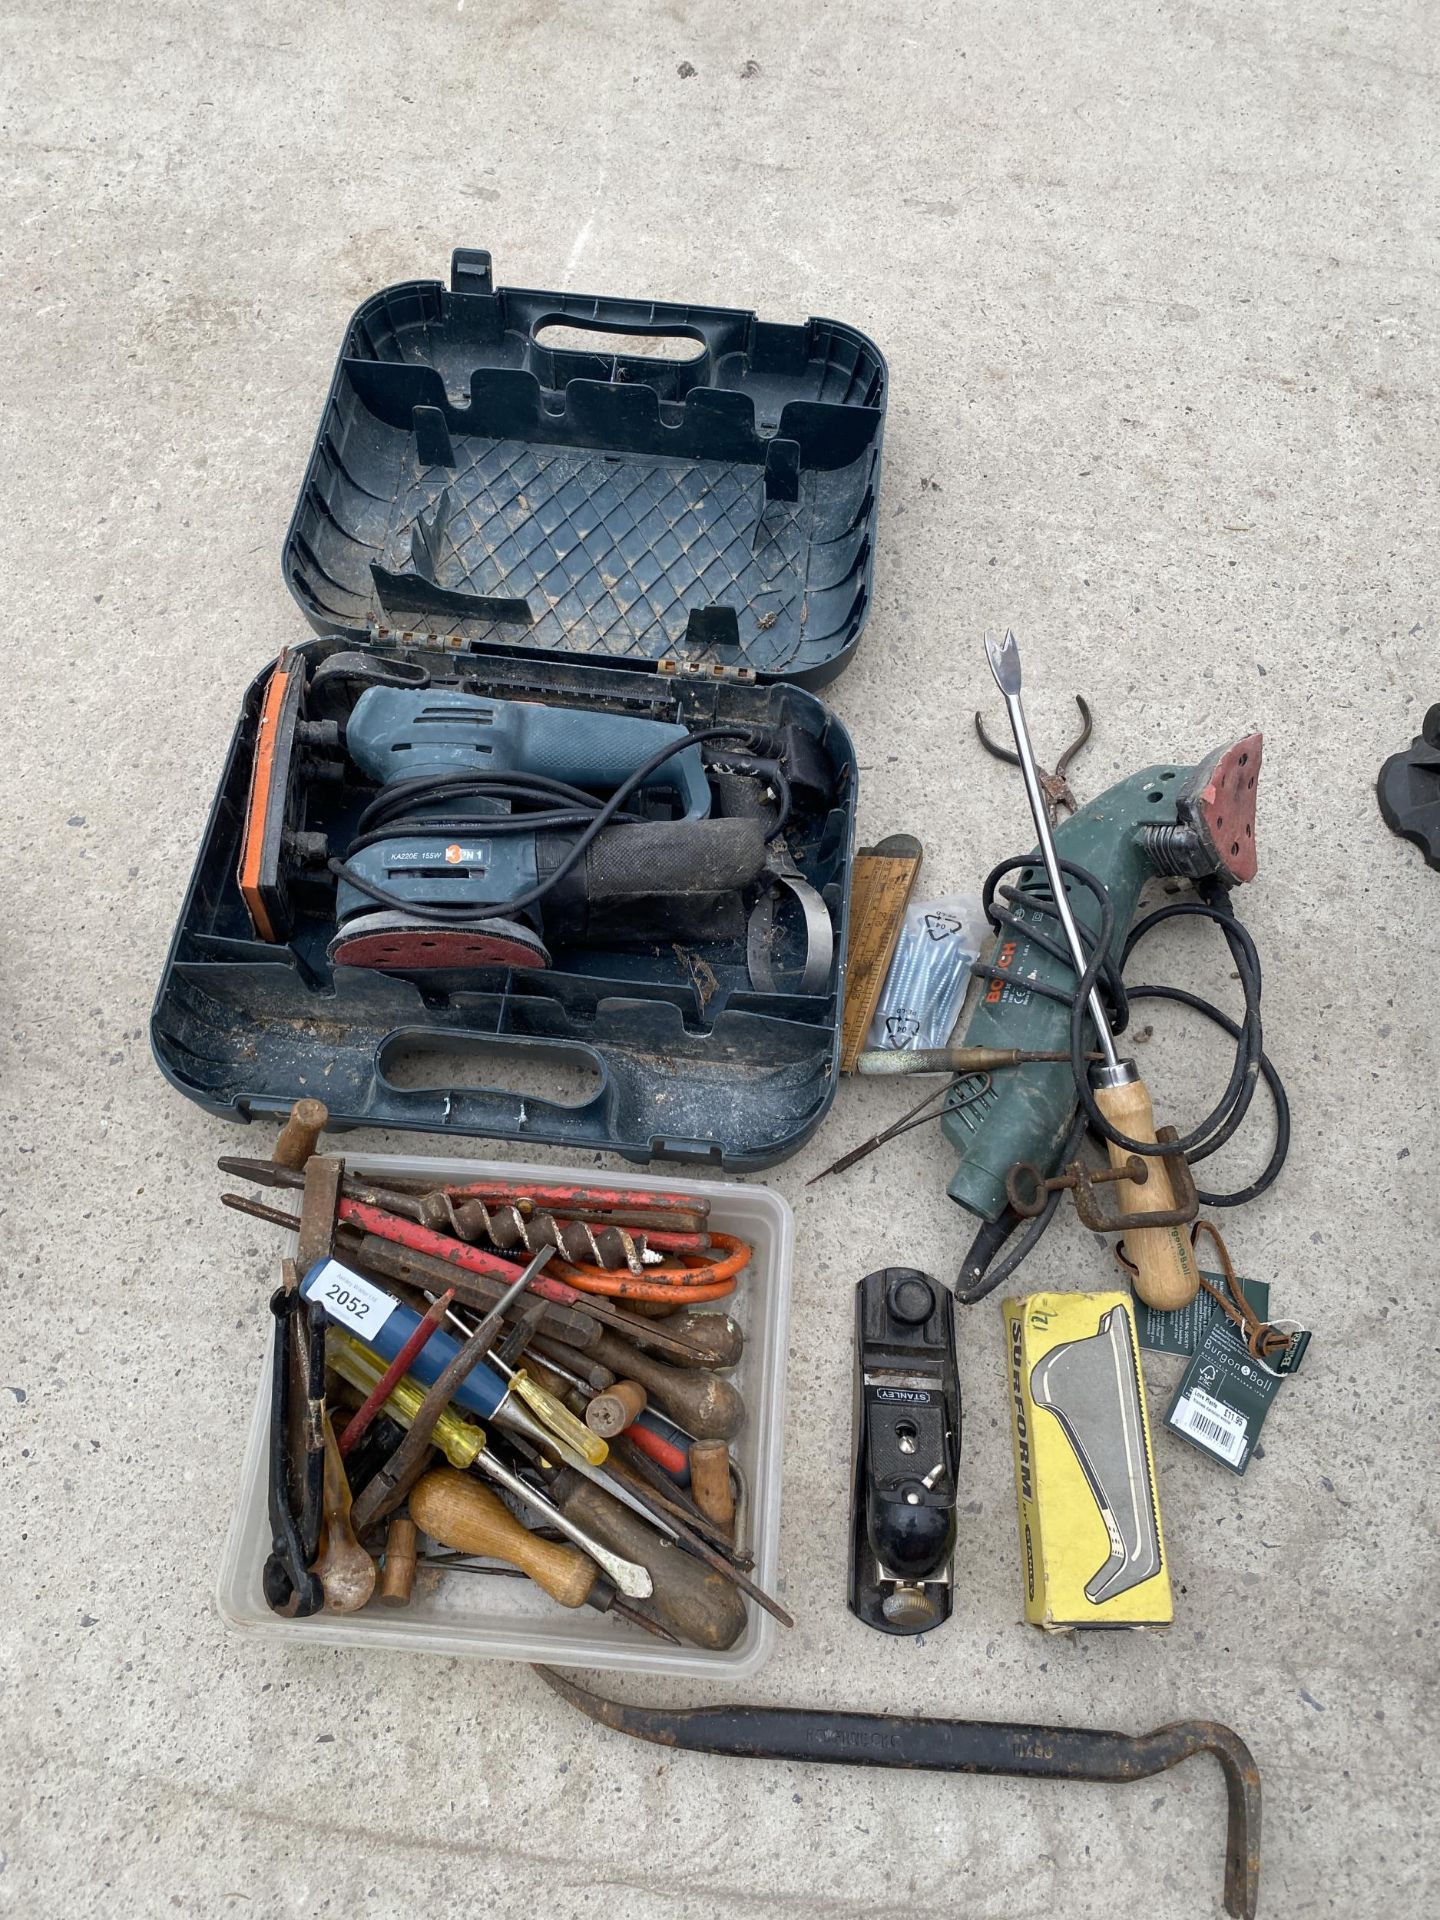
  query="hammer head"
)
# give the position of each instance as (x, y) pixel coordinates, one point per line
(1213, 836)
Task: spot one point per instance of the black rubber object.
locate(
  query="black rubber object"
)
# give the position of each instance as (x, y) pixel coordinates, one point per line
(655, 881)
(1408, 789)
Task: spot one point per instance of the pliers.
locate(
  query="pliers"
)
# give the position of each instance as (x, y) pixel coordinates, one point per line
(1055, 786)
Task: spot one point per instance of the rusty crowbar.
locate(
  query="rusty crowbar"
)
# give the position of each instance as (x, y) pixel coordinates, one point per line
(957, 1746)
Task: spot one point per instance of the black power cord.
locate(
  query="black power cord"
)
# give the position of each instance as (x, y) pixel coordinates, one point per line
(554, 805)
(978, 1277)
(392, 812)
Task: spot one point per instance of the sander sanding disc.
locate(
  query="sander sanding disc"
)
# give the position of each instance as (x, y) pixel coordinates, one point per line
(402, 943)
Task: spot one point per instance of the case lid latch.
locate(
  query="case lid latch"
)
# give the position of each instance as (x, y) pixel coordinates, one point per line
(470, 271)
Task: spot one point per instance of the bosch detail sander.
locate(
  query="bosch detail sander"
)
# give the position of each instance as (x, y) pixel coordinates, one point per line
(496, 831)
(486, 844)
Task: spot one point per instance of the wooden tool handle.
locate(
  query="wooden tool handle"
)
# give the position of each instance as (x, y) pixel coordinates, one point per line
(300, 1135)
(318, 1203)
(881, 881)
(706, 1406)
(461, 1514)
(1165, 1272)
(346, 1571)
(716, 1336)
(689, 1598)
(614, 1410)
(397, 1576)
(710, 1484)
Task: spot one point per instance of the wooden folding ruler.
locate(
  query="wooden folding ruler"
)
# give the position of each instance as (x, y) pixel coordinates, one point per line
(880, 890)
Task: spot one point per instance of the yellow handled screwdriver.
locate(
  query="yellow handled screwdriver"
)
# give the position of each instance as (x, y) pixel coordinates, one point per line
(463, 1444)
(568, 1431)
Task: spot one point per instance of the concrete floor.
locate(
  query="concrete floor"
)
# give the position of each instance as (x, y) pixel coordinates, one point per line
(1157, 286)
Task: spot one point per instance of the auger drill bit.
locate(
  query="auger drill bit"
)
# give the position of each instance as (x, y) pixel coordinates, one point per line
(505, 1228)
(509, 1230)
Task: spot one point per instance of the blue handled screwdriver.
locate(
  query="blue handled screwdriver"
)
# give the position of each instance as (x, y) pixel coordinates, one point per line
(385, 1324)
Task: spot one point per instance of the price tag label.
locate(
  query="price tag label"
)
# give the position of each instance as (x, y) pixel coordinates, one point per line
(1223, 1398)
(348, 1300)
(1220, 1428)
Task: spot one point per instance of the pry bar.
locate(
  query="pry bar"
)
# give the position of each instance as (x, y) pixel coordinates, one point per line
(957, 1746)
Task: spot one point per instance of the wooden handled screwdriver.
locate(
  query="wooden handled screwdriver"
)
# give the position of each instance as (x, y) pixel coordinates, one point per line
(689, 1598)
(460, 1514)
(1166, 1275)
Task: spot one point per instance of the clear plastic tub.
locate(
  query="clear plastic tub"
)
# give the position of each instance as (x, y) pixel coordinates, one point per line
(495, 1618)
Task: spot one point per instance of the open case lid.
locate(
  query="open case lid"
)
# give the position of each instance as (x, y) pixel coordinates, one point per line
(488, 472)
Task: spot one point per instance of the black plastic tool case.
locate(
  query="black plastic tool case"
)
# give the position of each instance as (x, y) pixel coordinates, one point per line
(495, 491)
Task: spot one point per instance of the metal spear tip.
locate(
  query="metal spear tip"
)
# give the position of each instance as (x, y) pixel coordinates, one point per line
(1004, 658)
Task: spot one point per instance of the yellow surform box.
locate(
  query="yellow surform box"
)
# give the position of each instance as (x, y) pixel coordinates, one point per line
(1091, 1548)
